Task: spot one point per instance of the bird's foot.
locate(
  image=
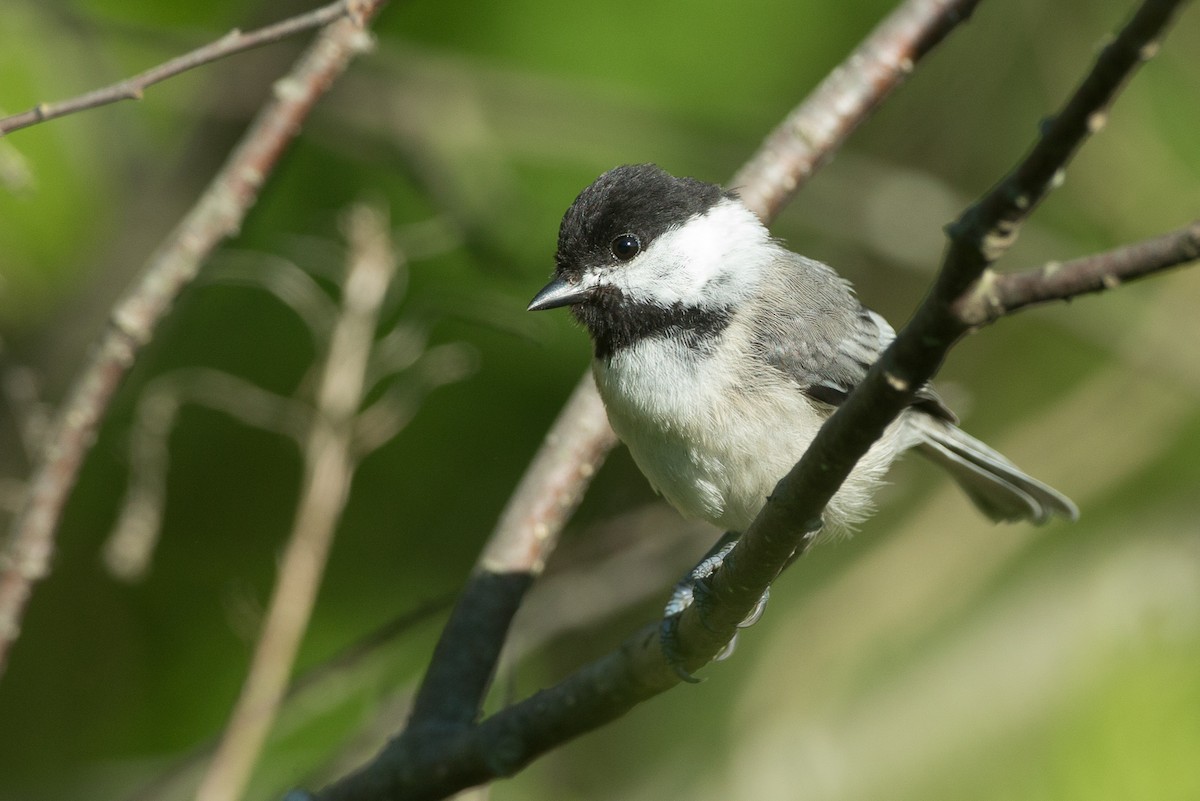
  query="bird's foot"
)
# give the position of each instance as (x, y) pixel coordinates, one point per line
(694, 589)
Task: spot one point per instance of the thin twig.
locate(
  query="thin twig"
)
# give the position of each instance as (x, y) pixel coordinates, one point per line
(328, 469)
(1004, 293)
(134, 537)
(580, 437)
(134, 88)
(217, 215)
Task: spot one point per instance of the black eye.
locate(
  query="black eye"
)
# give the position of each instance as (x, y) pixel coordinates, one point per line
(626, 246)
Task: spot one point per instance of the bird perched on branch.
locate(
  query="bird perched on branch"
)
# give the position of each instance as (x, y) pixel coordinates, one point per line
(719, 353)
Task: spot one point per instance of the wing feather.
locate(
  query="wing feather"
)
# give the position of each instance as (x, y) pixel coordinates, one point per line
(828, 341)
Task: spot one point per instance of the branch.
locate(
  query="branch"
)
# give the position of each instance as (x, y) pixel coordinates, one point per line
(329, 463)
(985, 231)
(1006, 293)
(574, 448)
(134, 88)
(217, 215)
(434, 767)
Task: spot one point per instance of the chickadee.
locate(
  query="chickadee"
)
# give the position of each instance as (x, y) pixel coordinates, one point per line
(719, 353)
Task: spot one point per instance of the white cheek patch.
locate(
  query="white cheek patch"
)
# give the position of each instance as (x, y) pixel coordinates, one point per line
(714, 257)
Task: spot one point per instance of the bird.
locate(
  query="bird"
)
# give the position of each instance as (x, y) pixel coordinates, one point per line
(719, 353)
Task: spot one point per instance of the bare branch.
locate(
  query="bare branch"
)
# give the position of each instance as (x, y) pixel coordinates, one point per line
(998, 294)
(134, 88)
(580, 438)
(217, 215)
(985, 231)
(329, 464)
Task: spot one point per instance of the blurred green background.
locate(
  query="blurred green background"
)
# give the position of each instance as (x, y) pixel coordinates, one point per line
(933, 656)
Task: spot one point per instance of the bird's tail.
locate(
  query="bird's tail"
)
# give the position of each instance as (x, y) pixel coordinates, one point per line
(996, 485)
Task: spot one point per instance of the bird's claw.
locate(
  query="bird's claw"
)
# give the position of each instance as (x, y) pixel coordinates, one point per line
(694, 590)
(668, 638)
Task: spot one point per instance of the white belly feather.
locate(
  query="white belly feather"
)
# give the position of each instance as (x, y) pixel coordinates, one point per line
(715, 438)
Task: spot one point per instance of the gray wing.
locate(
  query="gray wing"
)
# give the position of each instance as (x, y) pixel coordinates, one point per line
(814, 330)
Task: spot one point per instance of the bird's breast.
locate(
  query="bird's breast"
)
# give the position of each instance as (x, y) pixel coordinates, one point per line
(710, 433)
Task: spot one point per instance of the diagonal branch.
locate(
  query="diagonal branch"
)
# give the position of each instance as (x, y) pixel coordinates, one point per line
(985, 231)
(134, 88)
(575, 446)
(216, 216)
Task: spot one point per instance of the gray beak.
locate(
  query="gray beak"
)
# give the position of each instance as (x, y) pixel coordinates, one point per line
(560, 292)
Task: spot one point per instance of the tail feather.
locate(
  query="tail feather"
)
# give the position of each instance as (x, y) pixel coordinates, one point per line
(994, 484)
